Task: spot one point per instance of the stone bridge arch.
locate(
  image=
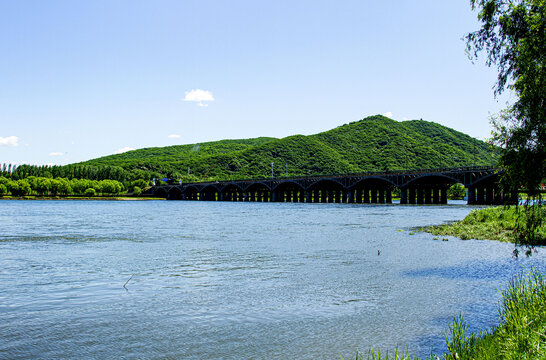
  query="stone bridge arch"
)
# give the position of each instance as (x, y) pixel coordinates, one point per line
(209, 192)
(486, 190)
(327, 190)
(371, 190)
(427, 189)
(231, 192)
(160, 192)
(288, 191)
(191, 192)
(175, 193)
(259, 192)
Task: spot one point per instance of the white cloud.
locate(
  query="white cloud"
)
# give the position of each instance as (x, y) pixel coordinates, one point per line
(199, 96)
(173, 136)
(388, 114)
(56, 153)
(9, 141)
(124, 149)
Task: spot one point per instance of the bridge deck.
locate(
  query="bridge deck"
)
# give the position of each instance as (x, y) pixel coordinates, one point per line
(416, 186)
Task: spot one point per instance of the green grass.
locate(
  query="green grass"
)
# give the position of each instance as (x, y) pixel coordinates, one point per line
(521, 333)
(485, 224)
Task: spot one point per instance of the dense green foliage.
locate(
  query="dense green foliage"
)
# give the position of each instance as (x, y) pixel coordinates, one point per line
(513, 35)
(74, 171)
(43, 186)
(490, 224)
(371, 144)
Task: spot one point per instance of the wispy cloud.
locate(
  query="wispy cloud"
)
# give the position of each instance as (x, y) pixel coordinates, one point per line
(198, 95)
(9, 141)
(173, 136)
(388, 114)
(123, 149)
(56, 153)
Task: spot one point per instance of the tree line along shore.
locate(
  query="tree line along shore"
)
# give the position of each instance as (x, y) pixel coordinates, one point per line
(44, 187)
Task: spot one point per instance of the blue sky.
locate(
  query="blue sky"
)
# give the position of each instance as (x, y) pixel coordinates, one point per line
(83, 79)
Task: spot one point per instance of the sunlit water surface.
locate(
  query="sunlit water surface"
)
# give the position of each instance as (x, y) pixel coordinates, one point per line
(211, 280)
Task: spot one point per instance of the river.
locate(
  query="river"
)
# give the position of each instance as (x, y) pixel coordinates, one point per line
(211, 280)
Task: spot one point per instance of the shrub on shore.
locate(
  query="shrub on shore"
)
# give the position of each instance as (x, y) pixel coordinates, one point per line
(496, 223)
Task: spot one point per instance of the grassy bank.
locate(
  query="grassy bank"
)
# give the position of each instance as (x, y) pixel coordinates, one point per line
(486, 224)
(521, 333)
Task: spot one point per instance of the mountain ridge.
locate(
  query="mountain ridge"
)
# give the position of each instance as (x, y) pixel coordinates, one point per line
(373, 143)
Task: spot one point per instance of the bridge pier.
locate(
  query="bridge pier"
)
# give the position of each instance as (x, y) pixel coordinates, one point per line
(380, 196)
(420, 197)
(373, 193)
(436, 195)
(471, 195)
(351, 197)
(366, 196)
(428, 199)
(480, 197)
(489, 196)
(403, 196)
(412, 196)
(388, 200)
(443, 195)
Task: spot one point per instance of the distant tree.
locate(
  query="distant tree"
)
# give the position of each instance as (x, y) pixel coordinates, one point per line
(137, 191)
(90, 192)
(55, 186)
(3, 190)
(43, 185)
(456, 191)
(513, 35)
(141, 183)
(13, 187)
(24, 187)
(78, 185)
(64, 186)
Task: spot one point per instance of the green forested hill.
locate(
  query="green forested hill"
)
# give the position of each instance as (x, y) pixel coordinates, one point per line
(374, 143)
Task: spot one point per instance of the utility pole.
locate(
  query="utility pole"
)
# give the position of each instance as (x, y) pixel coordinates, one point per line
(188, 170)
(272, 170)
(286, 163)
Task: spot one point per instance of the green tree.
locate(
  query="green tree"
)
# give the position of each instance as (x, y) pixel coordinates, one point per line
(13, 187)
(55, 186)
(90, 192)
(3, 190)
(456, 191)
(24, 187)
(43, 185)
(64, 186)
(513, 35)
(137, 191)
(78, 185)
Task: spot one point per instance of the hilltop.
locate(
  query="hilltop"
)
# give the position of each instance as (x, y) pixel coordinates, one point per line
(373, 143)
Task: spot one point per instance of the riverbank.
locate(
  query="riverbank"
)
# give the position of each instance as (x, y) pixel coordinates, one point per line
(107, 198)
(521, 333)
(497, 223)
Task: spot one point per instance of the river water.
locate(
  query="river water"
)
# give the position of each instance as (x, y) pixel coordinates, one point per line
(217, 280)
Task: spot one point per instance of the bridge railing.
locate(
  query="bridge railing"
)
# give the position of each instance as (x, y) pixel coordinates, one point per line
(362, 174)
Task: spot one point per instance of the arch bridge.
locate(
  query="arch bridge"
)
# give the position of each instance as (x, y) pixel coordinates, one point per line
(424, 186)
